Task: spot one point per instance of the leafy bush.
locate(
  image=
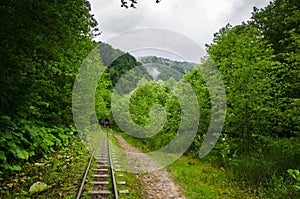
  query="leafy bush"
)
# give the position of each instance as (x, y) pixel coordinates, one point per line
(296, 175)
(25, 140)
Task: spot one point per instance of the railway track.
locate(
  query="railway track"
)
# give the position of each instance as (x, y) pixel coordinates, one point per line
(101, 172)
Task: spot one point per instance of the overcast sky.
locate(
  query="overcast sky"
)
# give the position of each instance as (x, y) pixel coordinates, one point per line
(198, 20)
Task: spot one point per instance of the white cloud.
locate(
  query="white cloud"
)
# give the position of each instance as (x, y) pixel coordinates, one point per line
(197, 19)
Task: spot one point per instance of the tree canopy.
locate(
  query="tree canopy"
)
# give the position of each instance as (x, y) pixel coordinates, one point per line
(42, 46)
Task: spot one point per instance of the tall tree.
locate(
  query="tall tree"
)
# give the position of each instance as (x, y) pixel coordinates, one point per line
(42, 46)
(244, 68)
(279, 23)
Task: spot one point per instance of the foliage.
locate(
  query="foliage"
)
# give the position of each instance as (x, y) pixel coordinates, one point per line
(103, 98)
(296, 175)
(124, 3)
(279, 24)
(38, 187)
(118, 62)
(108, 54)
(122, 69)
(42, 46)
(58, 170)
(166, 68)
(41, 51)
(22, 142)
(259, 63)
(200, 179)
(142, 102)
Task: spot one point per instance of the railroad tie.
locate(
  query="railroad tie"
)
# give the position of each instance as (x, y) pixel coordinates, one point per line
(99, 192)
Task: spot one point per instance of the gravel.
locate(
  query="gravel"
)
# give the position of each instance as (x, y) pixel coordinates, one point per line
(157, 184)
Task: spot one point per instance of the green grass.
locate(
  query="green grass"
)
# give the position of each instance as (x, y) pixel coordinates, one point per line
(135, 142)
(133, 185)
(201, 180)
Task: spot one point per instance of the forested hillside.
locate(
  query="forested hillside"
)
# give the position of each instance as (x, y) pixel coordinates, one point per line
(117, 63)
(164, 69)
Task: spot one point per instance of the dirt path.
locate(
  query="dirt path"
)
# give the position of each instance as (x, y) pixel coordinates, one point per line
(157, 184)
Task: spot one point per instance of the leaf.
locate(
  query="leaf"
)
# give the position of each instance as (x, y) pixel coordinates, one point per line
(15, 168)
(39, 164)
(297, 187)
(291, 172)
(56, 162)
(38, 187)
(23, 154)
(2, 156)
(18, 153)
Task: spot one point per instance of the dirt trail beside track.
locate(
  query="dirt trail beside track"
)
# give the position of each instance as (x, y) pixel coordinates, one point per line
(157, 184)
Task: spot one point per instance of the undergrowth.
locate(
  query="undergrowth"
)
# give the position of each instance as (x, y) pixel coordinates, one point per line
(58, 170)
(201, 180)
(226, 174)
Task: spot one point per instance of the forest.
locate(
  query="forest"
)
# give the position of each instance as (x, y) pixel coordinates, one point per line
(44, 44)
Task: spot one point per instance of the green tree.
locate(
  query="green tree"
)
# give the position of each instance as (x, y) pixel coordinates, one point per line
(279, 23)
(244, 68)
(42, 46)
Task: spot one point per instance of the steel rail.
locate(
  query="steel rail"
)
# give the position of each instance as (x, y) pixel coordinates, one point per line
(79, 193)
(110, 163)
(114, 184)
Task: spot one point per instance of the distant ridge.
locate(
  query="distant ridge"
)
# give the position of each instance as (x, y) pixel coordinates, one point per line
(163, 69)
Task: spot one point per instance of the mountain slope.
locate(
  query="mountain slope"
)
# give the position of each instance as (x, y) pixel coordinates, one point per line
(163, 69)
(123, 68)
